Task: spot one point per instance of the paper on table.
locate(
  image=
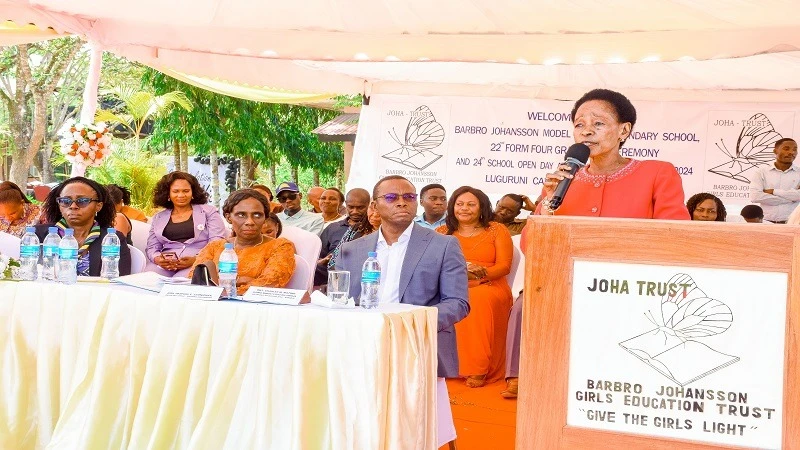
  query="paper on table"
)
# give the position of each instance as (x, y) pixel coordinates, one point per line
(87, 279)
(150, 281)
(320, 299)
(279, 296)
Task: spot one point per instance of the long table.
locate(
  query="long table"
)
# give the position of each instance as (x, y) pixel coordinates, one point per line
(93, 367)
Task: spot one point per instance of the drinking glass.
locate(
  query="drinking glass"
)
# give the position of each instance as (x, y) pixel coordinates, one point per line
(339, 286)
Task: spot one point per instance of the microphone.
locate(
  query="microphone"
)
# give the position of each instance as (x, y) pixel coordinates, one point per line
(576, 157)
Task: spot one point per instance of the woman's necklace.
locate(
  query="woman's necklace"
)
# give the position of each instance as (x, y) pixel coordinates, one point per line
(236, 242)
(180, 216)
(609, 170)
(325, 219)
(474, 230)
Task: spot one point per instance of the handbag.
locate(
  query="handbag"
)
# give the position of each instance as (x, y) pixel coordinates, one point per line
(202, 275)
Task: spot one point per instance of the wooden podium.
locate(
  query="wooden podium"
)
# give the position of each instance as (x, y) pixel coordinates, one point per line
(562, 257)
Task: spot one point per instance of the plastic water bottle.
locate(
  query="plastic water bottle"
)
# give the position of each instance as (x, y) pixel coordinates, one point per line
(68, 258)
(228, 271)
(50, 254)
(29, 255)
(110, 255)
(370, 282)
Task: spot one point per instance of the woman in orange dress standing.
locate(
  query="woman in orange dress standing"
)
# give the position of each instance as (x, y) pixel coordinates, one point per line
(487, 247)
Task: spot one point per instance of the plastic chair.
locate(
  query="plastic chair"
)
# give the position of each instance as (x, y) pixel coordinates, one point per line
(306, 244)
(40, 192)
(138, 260)
(516, 278)
(303, 277)
(140, 231)
(9, 245)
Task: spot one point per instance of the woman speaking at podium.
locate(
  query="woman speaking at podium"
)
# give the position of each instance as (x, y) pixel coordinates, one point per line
(610, 185)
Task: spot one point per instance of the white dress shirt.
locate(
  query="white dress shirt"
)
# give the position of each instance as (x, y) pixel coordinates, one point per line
(786, 195)
(391, 257)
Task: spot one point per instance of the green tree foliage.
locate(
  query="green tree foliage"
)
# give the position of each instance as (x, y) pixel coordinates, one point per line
(138, 106)
(134, 168)
(241, 128)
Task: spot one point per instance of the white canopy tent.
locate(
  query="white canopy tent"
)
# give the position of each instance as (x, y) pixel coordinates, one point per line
(724, 50)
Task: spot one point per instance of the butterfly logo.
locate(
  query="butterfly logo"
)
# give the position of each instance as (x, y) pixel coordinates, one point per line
(753, 148)
(423, 133)
(687, 312)
(674, 347)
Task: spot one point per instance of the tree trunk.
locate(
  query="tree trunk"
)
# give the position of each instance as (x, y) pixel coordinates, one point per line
(29, 127)
(247, 171)
(295, 174)
(176, 154)
(19, 173)
(273, 175)
(185, 156)
(340, 179)
(214, 176)
(316, 177)
(243, 163)
(39, 163)
(48, 172)
(23, 156)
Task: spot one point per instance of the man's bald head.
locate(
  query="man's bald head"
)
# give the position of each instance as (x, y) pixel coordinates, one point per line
(313, 196)
(357, 202)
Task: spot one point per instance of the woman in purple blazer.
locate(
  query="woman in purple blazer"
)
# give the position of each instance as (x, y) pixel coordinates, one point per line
(183, 228)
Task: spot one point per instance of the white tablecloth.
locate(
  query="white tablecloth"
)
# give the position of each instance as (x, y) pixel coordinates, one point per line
(88, 367)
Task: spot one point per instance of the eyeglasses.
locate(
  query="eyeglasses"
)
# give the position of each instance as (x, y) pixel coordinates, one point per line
(287, 197)
(392, 197)
(82, 202)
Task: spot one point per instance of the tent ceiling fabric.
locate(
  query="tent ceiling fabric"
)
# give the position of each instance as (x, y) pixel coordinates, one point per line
(13, 34)
(720, 49)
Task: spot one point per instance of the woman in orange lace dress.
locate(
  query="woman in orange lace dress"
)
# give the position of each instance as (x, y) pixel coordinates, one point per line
(487, 247)
(263, 261)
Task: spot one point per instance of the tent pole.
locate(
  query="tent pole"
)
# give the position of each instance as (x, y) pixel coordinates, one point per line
(90, 95)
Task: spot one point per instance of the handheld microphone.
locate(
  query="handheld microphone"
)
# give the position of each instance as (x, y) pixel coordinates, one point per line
(576, 157)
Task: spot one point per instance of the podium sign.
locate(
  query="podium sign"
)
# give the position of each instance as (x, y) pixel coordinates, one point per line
(679, 352)
(655, 334)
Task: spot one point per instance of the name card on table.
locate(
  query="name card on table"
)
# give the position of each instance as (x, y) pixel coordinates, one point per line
(257, 294)
(191, 292)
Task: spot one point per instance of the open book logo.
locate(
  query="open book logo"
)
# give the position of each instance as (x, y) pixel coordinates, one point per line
(423, 133)
(674, 347)
(753, 148)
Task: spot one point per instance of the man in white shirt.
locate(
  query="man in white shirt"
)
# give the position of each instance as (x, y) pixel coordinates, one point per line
(289, 196)
(777, 187)
(418, 266)
(433, 199)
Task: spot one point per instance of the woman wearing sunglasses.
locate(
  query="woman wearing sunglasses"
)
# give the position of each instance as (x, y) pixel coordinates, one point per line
(183, 228)
(85, 206)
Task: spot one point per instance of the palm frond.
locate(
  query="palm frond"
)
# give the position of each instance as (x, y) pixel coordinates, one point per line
(104, 115)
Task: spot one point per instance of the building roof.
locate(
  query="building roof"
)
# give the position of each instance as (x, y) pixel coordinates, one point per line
(341, 128)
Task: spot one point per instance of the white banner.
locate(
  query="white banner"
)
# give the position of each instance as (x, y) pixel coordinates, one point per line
(507, 145)
(678, 352)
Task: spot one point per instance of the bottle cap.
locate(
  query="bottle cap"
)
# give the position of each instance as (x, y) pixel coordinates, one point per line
(30, 229)
(228, 246)
(52, 229)
(112, 231)
(372, 254)
(69, 232)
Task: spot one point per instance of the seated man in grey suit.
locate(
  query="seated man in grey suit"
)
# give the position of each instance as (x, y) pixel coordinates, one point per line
(418, 265)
